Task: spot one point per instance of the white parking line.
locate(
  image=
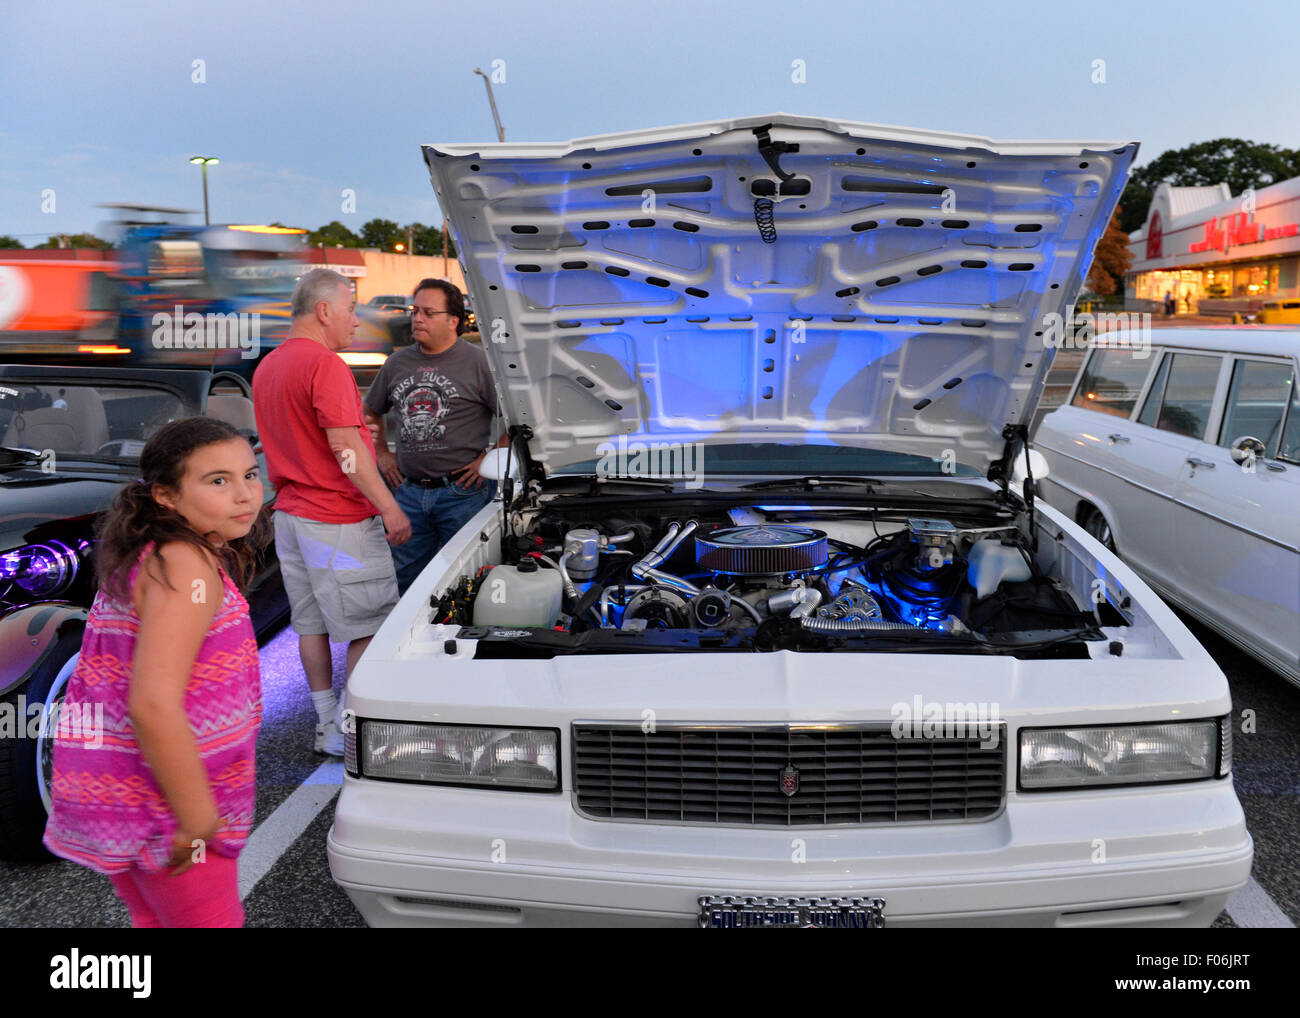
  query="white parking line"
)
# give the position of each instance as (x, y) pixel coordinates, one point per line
(1252, 908)
(274, 835)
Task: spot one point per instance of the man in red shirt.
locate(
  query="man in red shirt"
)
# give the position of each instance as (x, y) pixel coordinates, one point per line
(332, 506)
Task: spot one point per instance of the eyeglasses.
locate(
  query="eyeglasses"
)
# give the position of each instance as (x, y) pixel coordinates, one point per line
(430, 314)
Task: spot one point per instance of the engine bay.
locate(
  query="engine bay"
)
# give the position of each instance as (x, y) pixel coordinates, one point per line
(767, 578)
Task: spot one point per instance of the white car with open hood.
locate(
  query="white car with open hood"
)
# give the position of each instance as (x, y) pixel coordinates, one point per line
(768, 628)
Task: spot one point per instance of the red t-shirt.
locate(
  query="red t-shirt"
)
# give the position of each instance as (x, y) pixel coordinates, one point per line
(299, 390)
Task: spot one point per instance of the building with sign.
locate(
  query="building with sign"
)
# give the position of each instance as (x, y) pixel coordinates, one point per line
(373, 272)
(1215, 253)
(345, 261)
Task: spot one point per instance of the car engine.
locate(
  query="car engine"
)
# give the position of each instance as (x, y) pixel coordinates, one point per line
(764, 580)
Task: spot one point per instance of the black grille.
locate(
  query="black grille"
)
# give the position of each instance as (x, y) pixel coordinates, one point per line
(734, 775)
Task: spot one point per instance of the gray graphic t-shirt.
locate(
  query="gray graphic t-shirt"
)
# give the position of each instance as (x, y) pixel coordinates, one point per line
(445, 402)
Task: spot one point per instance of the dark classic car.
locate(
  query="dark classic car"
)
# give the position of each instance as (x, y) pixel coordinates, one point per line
(69, 438)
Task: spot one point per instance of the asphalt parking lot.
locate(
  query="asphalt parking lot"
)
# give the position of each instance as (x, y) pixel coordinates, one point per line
(284, 861)
(1266, 746)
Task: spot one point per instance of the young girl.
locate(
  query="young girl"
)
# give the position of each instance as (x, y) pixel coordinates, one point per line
(163, 802)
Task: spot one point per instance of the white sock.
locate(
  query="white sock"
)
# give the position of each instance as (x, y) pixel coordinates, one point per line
(326, 705)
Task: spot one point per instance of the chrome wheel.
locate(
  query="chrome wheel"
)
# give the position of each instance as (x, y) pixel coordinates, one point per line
(48, 727)
(1098, 527)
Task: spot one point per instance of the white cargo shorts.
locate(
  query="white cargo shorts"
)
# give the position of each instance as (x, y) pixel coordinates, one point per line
(339, 576)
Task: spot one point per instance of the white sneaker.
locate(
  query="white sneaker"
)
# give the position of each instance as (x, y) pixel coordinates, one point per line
(329, 739)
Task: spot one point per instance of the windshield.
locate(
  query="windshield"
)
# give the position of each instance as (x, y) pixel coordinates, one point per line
(84, 420)
(697, 462)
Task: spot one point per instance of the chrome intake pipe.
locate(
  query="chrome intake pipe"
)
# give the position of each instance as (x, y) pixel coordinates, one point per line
(647, 570)
(808, 603)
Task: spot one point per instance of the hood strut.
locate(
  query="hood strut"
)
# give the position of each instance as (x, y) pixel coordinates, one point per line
(1001, 471)
(530, 470)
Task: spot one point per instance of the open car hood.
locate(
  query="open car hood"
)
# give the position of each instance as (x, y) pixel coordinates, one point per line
(777, 279)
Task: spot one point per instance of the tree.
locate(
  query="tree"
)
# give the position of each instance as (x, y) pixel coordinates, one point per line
(333, 234)
(7, 241)
(1111, 260)
(1241, 164)
(76, 240)
(383, 234)
(428, 241)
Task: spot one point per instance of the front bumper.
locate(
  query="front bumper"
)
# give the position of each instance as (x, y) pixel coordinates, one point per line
(413, 855)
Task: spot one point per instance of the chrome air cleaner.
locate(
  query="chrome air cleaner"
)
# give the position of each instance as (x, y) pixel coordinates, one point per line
(761, 550)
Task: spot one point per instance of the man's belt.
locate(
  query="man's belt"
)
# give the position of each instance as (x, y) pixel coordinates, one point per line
(433, 482)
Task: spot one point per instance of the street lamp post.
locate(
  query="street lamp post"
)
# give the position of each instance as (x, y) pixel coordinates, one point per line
(204, 161)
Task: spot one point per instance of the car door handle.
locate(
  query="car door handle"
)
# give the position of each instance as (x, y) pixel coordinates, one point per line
(1197, 462)
(1117, 437)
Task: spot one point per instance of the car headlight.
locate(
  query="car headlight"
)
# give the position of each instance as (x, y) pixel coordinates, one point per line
(522, 759)
(1056, 758)
(37, 571)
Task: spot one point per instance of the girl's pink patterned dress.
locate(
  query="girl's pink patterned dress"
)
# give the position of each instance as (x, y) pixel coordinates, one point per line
(107, 812)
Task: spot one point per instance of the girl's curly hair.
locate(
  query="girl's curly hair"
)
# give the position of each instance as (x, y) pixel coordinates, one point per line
(135, 518)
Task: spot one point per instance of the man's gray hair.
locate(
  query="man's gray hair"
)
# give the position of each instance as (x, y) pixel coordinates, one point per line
(316, 286)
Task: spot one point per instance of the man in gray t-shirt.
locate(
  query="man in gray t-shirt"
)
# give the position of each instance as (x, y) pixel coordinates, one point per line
(445, 400)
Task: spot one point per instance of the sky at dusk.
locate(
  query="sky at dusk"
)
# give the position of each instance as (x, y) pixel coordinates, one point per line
(302, 101)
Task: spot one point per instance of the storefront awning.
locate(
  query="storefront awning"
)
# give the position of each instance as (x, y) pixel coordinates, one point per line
(343, 260)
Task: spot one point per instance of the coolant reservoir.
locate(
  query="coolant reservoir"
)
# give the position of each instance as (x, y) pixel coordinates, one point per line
(992, 563)
(522, 595)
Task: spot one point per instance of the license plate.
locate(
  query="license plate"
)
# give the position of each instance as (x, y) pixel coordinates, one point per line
(727, 911)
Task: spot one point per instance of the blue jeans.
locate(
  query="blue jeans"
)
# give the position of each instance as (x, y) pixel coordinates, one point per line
(436, 514)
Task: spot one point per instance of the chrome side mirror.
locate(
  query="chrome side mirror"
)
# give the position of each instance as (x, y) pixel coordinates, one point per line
(1020, 469)
(493, 466)
(1247, 448)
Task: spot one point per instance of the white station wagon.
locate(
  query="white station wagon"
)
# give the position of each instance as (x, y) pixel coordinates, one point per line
(768, 628)
(1183, 453)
